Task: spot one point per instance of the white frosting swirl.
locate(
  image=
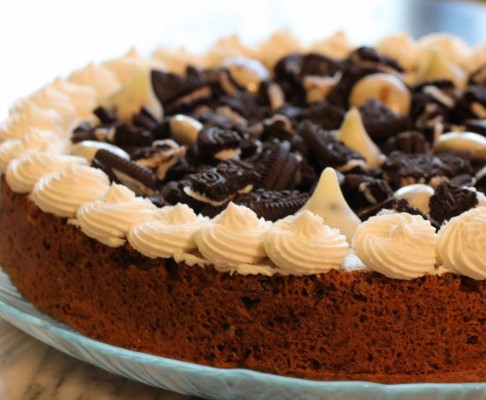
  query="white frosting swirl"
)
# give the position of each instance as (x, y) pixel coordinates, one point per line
(400, 47)
(304, 245)
(63, 192)
(83, 98)
(229, 46)
(26, 117)
(108, 219)
(278, 45)
(177, 60)
(53, 99)
(453, 47)
(98, 77)
(398, 245)
(126, 67)
(461, 248)
(169, 232)
(34, 141)
(336, 46)
(24, 172)
(232, 238)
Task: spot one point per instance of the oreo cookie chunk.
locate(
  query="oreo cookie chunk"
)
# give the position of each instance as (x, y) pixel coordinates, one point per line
(279, 127)
(326, 151)
(380, 122)
(471, 104)
(137, 178)
(214, 142)
(411, 142)
(273, 205)
(278, 166)
(180, 93)
(128, 137)
(400, 205)
(160, 157)
(401, 169)
(432, 105)
(449, 201)
(368, 57)
(362, 191)
(326, 115)
(222, 183)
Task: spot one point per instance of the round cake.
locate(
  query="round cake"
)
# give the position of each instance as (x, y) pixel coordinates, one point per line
(309, 211)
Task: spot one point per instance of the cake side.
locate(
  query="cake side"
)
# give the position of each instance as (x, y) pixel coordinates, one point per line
(335, 326)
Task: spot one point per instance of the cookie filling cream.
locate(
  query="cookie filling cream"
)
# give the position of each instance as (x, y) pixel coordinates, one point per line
(63, 192)
(461, 241)
(397, 245)
(233, 238)
(169, 232)
(109, 219)
(302, 245)
(22, 173)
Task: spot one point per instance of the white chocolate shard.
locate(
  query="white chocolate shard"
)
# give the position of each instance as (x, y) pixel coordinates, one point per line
(438, 66)
(462, 141)
(136, 93)
(184, 129)
(88, 148)
(417, 194)
(353, 134)
(387, 88)
(328, 202)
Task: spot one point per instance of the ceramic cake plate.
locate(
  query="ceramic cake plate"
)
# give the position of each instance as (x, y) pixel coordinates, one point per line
(208, 382)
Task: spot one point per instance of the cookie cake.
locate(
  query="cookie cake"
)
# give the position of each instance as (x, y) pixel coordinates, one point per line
(309, 211)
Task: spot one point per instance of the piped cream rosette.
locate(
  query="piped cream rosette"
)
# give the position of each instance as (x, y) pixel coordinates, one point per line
(170, 232)
(461, 246)
(397, 245)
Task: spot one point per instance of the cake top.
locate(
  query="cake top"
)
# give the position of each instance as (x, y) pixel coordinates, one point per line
(274, 159)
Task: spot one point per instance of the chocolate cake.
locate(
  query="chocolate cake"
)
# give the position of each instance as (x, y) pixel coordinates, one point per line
(322, 216)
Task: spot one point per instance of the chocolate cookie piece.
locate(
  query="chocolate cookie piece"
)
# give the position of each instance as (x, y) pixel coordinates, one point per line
(411, 142)
(402, 169)
(106, 116)
(370, 58)
(137, 178)
(273, 205)
(471, 104)
(243, 103)
(380, 122)
(221, 183)
(326, 115)
(318, 65)
(179, 93)
(361, 191)
(145, 119)
(213, 139)
(351, 74)
(402, 205)
(279, 127)
(325, 150)
(129, 136)
(449, 201)
(278, 166)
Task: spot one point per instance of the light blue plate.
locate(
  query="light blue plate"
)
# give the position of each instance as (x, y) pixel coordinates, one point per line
(215, 383)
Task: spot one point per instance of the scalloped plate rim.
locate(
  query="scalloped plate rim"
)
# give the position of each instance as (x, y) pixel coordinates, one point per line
(35, 318)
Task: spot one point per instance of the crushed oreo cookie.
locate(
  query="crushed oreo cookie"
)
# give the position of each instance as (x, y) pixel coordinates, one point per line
(449, 201)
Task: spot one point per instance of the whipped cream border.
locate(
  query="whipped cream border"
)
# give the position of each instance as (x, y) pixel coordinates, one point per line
(99, 80)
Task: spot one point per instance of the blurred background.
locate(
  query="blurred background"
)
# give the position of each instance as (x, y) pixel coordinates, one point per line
(40, 40)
